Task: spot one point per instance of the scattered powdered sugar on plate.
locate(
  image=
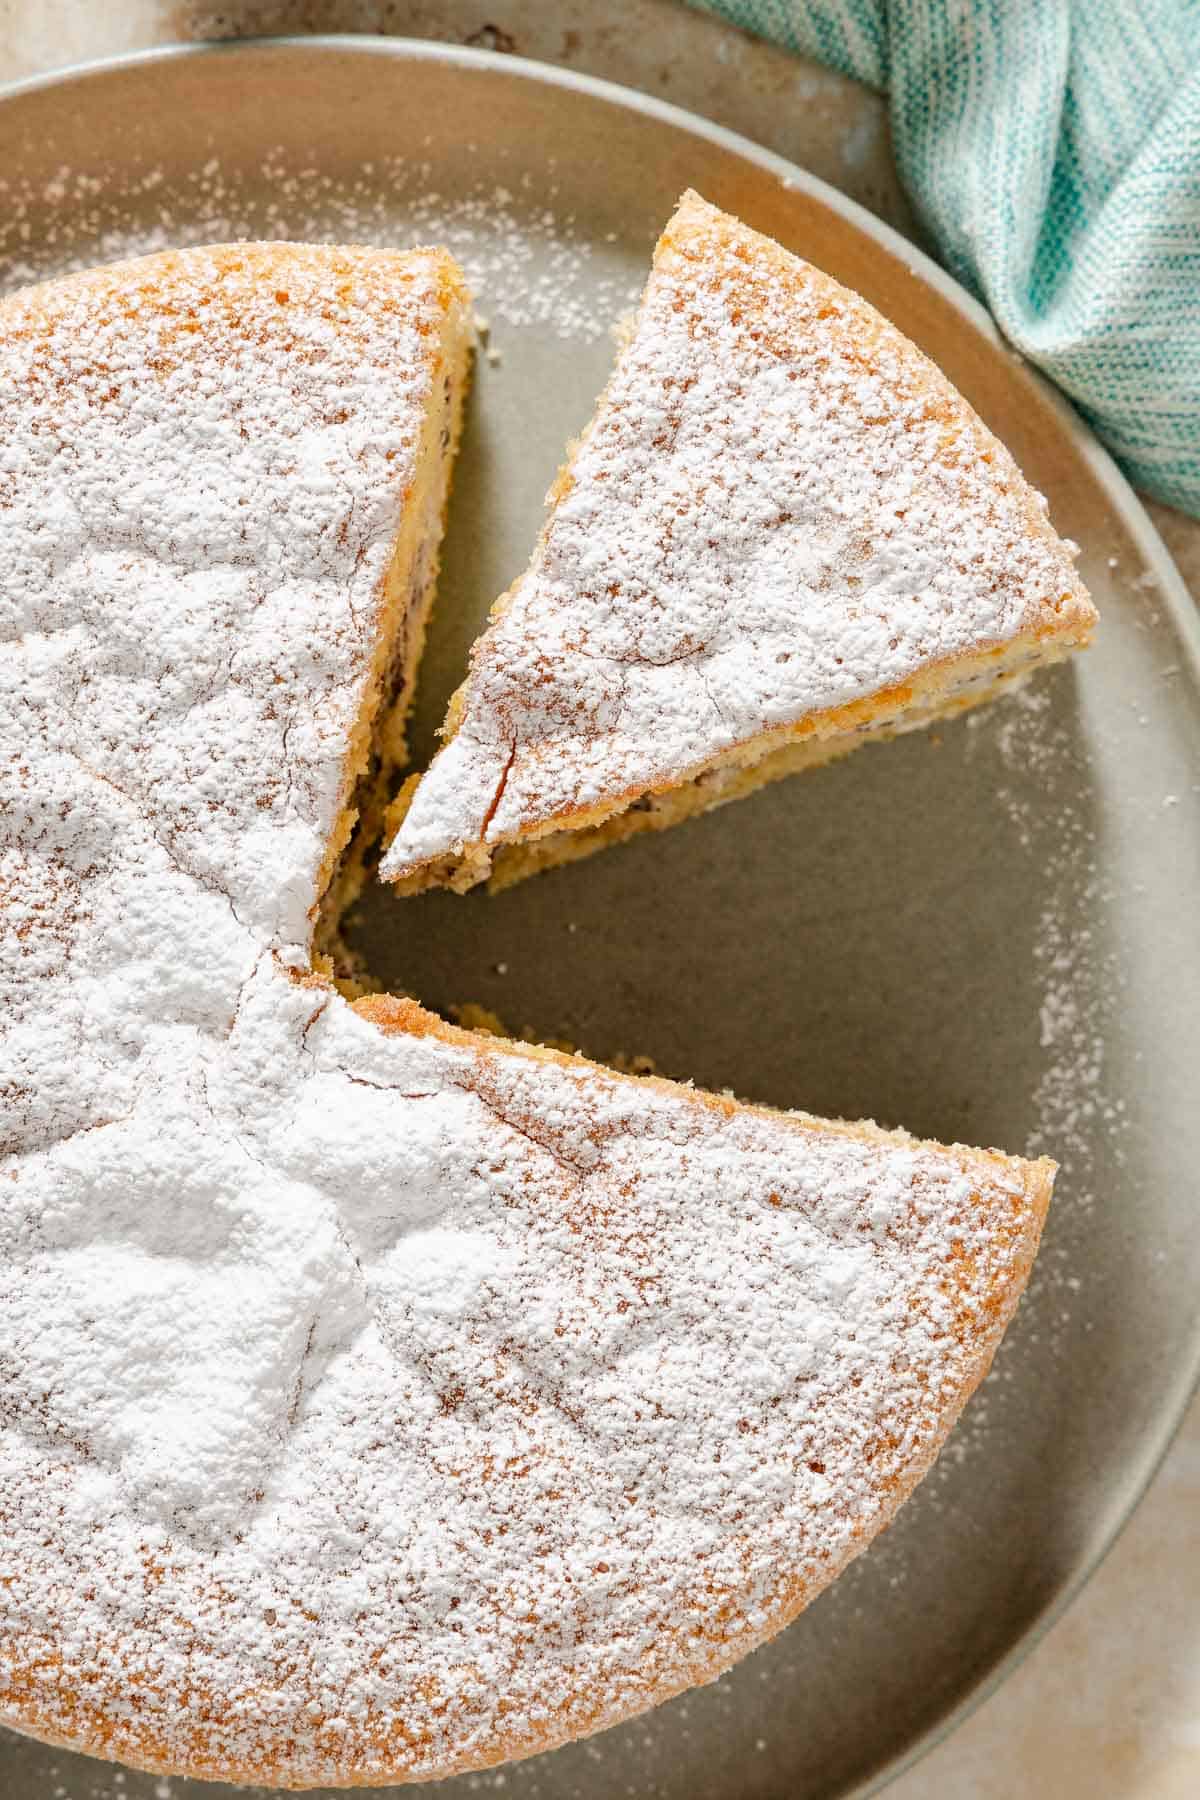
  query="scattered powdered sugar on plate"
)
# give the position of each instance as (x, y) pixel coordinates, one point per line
(1077, 1114)
(102, 1781)
(526, 263)
(1078, 979)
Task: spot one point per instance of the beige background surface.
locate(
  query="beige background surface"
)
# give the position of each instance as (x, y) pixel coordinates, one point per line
(1108, 1705)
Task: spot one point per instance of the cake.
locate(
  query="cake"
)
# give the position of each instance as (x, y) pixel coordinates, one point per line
(783, 534)
(378, 1400)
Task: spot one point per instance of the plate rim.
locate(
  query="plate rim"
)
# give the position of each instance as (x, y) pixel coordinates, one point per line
(1182, 609)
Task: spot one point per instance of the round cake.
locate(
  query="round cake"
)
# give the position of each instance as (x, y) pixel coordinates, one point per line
(378, 1400)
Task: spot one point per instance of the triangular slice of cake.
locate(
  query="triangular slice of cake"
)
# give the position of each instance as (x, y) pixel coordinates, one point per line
(782, 533)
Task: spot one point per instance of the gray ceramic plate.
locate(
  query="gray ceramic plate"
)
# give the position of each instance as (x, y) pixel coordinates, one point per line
(987, 935)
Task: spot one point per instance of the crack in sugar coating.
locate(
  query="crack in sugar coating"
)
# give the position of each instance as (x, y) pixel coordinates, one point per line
(376, 1401)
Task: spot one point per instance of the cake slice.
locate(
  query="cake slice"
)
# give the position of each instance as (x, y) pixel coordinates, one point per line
(783, 533)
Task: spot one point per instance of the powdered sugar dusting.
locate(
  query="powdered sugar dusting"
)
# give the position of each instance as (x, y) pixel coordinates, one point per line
(1076, 1105)
(778, 509)
(533, 264)
(377, 1401)
(1073, 1102)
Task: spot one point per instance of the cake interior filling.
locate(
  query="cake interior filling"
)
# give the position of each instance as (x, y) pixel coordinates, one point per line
(932, 695)
(378, 749)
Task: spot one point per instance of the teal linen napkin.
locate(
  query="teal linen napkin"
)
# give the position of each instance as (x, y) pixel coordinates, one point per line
(1052, 148)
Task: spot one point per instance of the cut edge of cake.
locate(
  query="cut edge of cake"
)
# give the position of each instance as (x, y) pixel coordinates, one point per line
(934, 696)
(378, 749)
(1054, 626)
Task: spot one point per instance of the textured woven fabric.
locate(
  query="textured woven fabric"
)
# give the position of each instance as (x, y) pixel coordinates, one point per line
(1052, 148)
